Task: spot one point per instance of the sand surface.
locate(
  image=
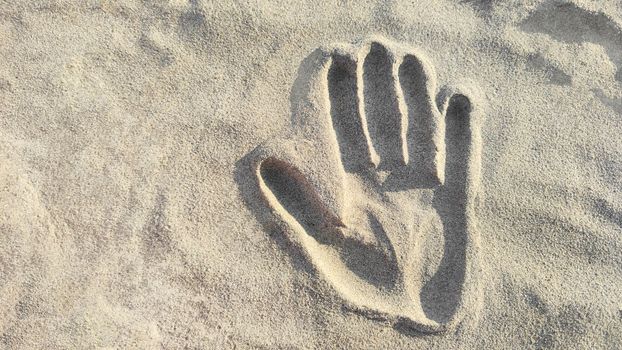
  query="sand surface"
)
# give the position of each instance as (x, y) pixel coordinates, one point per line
(296, 175)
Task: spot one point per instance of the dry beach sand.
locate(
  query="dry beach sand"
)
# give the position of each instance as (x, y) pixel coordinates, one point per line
(295, 175)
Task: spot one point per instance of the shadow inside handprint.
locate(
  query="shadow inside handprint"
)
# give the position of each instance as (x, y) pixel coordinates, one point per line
(371, 263)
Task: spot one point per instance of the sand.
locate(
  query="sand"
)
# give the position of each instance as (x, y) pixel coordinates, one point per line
(294, 175)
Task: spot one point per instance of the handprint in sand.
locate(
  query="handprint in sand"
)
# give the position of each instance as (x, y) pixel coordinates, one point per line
(377, 183)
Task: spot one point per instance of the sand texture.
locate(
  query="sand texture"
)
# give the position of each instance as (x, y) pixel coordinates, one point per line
(294, 175)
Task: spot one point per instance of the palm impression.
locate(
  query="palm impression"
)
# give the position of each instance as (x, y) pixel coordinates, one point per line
(377, 183)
